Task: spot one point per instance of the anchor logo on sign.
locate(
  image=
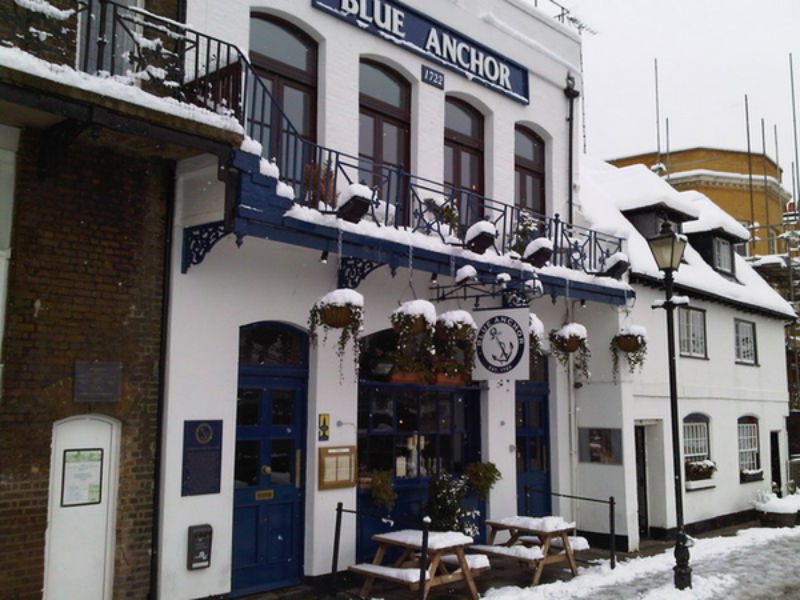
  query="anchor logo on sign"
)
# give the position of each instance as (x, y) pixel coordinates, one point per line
(506, 350)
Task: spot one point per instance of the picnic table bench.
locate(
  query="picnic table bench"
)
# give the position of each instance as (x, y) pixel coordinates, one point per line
(447, 562)
(524, 533)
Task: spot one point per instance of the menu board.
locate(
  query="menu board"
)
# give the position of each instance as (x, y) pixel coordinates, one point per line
(82, 480)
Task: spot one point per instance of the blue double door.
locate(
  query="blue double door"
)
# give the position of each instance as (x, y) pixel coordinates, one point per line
(269, 484)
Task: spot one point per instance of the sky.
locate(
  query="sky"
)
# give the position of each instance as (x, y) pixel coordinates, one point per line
(710, 54)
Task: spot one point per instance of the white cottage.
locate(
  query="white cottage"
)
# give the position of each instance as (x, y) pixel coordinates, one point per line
(731, 370)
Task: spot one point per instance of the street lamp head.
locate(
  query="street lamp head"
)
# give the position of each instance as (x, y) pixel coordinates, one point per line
(667, 248)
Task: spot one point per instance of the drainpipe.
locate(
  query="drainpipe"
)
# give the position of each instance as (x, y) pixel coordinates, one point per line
(162, 366)
(571, 93)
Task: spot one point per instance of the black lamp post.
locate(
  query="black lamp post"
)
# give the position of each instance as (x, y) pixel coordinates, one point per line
(667, 249)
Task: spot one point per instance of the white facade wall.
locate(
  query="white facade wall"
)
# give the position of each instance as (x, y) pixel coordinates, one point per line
(265, 280)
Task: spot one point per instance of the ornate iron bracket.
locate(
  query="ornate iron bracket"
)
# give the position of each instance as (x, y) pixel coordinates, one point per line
(352, 271)
(198, 241)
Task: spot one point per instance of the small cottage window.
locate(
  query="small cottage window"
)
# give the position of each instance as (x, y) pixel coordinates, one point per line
(745, 332)
(749, 461)
(692, 328)
(723, 255)
(697, 448)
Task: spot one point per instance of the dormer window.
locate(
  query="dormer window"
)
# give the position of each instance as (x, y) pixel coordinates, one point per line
(723, 255)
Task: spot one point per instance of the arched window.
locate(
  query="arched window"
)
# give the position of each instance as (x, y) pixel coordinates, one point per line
(749, 459)
(286, 60)
(271, 344)
(697, 448)
(384, 128)
(463, 157)
(528, 170)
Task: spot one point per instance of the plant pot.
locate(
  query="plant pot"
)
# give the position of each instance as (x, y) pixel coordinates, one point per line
(769, 519)
(408, 377)
(568, 344)
(457, 380)
(628, 343)
(336, 316)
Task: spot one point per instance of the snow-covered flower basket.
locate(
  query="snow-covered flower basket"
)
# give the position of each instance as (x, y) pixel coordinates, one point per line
(340, 309)
(480, 236)
(777, 512)
(455, 346)
(699, 470)
(571, 338)
(632, 342)
(414, 321)
(536, 337)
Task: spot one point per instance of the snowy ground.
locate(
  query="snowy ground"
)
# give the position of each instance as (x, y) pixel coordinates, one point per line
(756, 563)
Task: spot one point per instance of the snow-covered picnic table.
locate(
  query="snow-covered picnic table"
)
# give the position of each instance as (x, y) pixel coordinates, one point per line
(445, 551)
(533, 541)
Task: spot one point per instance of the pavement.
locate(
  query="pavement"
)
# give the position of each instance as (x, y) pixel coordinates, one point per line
(504, 572)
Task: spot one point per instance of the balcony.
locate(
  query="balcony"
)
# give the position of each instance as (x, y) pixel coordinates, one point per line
(407, 221)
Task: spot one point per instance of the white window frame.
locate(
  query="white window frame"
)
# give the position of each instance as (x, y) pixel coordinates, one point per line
(723, 257)
(746, 349)
(748, 447)
(692, 332)
(696, 446)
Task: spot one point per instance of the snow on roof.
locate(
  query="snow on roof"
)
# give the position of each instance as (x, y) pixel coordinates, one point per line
(636, 187)
(604, 187)
(120, 88)
(712, 217)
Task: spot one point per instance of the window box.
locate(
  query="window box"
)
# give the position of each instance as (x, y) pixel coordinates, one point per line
(749, 476)
(702, 484)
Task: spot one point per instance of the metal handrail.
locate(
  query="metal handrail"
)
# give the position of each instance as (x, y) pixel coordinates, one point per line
(168, 58)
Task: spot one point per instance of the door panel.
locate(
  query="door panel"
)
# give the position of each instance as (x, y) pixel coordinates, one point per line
(268, 499)
(533, 472)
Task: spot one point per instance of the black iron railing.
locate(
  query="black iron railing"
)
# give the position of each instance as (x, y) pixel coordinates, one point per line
(167, 58)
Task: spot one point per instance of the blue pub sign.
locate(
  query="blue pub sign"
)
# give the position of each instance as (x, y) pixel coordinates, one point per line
(418, 33)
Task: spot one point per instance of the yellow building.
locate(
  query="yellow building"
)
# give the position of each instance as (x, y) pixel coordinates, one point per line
(748, 187)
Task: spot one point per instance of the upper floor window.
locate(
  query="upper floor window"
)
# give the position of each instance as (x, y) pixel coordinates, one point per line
(463, 157)
(749, 460)
(723, 255)
(384, 127)
(697, 448)
(528, 170)
(285, 58)
(692, 331)
(745, 332)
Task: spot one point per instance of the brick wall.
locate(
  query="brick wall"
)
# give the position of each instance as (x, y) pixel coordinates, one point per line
(85, 284)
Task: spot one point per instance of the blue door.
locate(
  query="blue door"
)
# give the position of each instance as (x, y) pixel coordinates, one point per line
(269, 466)
(533, 461)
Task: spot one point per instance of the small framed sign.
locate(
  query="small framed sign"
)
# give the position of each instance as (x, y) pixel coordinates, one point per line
(433, 77)
(337, 467)
(97, 381)
(82, 477)
(202, 457)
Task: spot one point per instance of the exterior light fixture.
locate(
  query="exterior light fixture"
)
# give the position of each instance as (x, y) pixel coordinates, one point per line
(667, 248)
(324, 257)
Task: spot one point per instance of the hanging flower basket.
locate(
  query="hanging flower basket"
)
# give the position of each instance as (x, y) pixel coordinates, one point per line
(455, 347)
(338, 317)
(536, 337)
(414, 323)
(632, 342)
(571, 339)
(341, 309)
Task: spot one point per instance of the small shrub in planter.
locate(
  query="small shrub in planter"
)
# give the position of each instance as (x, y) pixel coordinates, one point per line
(340, 309)
(482, 477)
(319, 181)
(445, 493)
(571, 338)
(777, 512)
(382, 489)
(631, 341)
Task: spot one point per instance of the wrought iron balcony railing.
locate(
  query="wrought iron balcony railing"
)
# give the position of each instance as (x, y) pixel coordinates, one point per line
(167, 58)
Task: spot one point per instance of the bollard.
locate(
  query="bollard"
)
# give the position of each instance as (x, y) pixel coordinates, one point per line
(336, 537)
(612, 533)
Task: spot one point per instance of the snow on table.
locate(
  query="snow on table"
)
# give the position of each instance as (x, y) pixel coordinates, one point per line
(537, 523)
(521, 552)
(437, 540)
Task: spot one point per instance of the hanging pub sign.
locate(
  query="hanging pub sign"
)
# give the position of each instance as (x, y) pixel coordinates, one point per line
(435, 41)
(501, 346)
